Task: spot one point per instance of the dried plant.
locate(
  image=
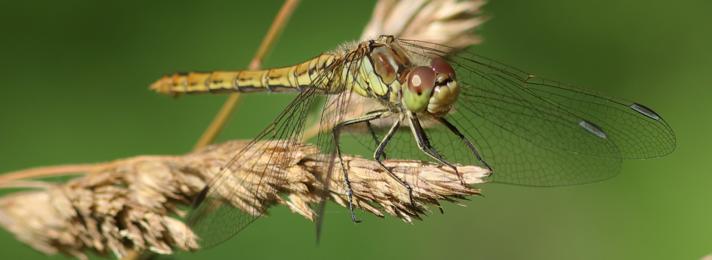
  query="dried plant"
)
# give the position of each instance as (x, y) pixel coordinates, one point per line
(446, 22)
(137, 203)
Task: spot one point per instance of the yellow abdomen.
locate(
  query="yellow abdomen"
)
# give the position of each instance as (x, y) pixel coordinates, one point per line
(285, 79)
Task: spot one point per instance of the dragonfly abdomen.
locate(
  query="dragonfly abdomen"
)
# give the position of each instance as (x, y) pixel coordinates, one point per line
(285, 79)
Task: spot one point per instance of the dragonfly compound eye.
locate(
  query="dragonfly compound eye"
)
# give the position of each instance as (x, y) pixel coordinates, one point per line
(441, 66)
(384, 64)
(419, 88)
(421, 79)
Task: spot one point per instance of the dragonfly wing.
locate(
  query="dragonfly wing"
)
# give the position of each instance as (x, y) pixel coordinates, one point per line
(637, 131)
(239, 192)
(537, 132)
(243, 189)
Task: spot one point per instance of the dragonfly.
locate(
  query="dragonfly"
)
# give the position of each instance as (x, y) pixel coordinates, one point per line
(427, 102)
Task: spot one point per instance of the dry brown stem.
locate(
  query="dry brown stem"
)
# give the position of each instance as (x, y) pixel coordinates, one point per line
(49, 171)
(228, 107)
(135, 203)
(233, 99)
(131, 205)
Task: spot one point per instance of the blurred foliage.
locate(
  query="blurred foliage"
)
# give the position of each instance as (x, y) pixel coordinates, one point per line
(75, 76)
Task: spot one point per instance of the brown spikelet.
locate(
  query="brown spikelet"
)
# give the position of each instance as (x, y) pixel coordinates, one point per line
(134, 203)
(447, 22)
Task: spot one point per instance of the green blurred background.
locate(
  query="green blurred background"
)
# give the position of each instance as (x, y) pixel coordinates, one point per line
(74, 89)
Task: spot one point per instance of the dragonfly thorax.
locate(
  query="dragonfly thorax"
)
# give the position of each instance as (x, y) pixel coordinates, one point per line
(429, 88)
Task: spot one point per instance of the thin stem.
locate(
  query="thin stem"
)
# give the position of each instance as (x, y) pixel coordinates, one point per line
(218, 122)
(27, 185)
(68, 169)
(11, 179)
(228, 107)
(48, 171)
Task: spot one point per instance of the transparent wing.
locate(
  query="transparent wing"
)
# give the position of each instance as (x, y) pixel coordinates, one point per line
(334, 111)
(514, 159)
(537, 132)
(247, 184)
(237, 195)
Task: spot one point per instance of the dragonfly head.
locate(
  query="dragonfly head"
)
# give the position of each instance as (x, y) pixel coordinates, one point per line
(431, 88)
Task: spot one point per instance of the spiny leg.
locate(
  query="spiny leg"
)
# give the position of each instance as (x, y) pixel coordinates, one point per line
(421, 138)
(336, 133)
(380, 153)
(464, 139)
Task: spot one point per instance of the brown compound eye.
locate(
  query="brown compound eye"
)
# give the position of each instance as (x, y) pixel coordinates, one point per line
(382, 64)
(441, 66)
(421, 79)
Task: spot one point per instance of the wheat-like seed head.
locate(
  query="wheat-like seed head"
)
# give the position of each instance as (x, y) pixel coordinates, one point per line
(446, 22)
(136, 203)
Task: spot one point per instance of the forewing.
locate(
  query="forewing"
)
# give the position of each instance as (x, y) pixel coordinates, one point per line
(238, 194)
(536, 132)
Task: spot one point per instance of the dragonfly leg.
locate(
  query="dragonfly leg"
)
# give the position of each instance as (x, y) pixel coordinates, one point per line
(464, 139)
(336, 133)
(380, 154)
(421, 138)
(373, 135)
